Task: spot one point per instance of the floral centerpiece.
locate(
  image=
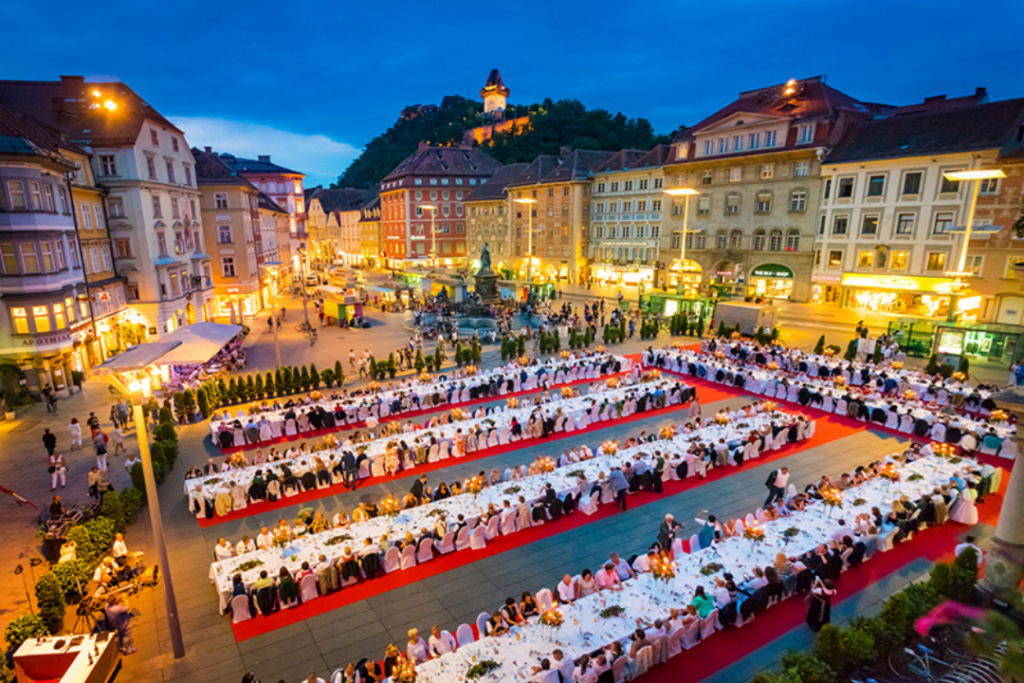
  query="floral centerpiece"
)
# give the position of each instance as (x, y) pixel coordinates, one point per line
(424, 376)
(565, 355)
(754, 534)
(250, 564)
(335, 540)
(959, 376)
(668, 431)
(719, 354)
(315, 395)
(897, 365)
(663, 569)
(612, 611)
(773, 366)
(889, 472)
(374, 385)
(578, 474)
(915, 477)
(998, 416)
(943, 450)
(523, 360)
(654, 374)
(512, 403)
(909, 395)
(237, 460)
(546, 465)
(769, 406)
(327, 442)
(213, 480)
(567, 392)
(458, 414)
(711, 568)
(474, 485)
(721, 418)
(612, 382)
(513, 489)
(609, 447)
(828, 352)
(839, 381)
(832, 497)
(552, 618)
(390, 507)
(857, 502)
(481, 669)
(791, 532)
(436, 512)
(734, 335)
(404, 671)
(600, 348)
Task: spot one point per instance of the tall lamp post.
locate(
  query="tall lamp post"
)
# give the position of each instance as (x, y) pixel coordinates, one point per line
(685, 192)
(961, 272)
(433, 235)
(132, 373)
(303, 265)
(528, 202)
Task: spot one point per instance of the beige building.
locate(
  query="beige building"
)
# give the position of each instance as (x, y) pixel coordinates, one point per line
(274, 233)
(370, 242)
(488, 220)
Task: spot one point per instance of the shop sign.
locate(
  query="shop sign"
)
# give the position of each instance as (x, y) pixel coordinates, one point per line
(234, 290)
(826, 278)
(969, 303)
(907, 283)
(773, 270)
(48, 340)
(951, 342)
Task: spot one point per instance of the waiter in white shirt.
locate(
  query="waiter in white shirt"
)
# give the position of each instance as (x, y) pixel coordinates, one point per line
(441, 642)
(969, 543)
(642, 564)
(120, 550)
(777, 482)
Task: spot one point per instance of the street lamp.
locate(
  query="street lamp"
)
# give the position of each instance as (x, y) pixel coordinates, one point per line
(977, 176)
(685, 192)
(303, 264)
(133, 373)
(433, 236)
(529, 238)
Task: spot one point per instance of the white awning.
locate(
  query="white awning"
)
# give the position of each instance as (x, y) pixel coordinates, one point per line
(198, 343)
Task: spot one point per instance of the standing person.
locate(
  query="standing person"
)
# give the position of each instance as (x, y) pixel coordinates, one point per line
(352, 359)
(119, 617)
(94, 424)
(58, 470)
(819, 609)
(117, 439)
(75, 430)
(114, 417)
(122, 413)
(619, 487)
(49, 441)
(321, 315)
(100, 444)
(53, 403)
(48, 397)
(776, 484)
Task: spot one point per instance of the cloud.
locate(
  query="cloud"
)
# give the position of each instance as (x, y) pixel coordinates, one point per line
(318, 156)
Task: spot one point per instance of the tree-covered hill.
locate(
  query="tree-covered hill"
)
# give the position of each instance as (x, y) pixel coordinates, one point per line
(565, 123)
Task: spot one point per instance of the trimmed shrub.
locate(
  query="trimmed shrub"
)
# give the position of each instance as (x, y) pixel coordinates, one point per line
(139, 479)
(314, 377)
(270, 385)
(112, 509)
(22, 628)
(131, 501)
(851, 350)
(819, 348)
(50, 601)
(156, 454)
(964, 366)
(170, 447)
(327, 376)
(165, 431)
(259, 390)
(933, 365)
(69, 582)
(92, 539)
(809, 669)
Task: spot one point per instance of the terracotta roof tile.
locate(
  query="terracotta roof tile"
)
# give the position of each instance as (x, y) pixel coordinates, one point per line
(445, 161)
(494, 188)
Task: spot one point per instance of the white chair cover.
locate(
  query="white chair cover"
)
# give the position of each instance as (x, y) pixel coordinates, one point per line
(409, 556)
(462, 539)
(674, 647)
(447, 543)
(644, 660)
(307, 588)
(426, 551)
(464, 635)
(478, 539)
(240, 609)
(709, 625)
(619, 669)
(508, 523)
(544, 599)
(492, 527)
(481, 623)
(690, 635)
(392, 560)
(590, 507)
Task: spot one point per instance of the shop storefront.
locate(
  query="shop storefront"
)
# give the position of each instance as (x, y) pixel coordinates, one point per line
(691, 273)
(235, 303)
(670, 304)
(826, 289)
(926, 297)
(609, 274)
(340, 303)
(993, 343)
(771, 280)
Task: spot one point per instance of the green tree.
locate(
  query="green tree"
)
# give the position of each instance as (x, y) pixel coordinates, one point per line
(339, 372)
(964, 366)
(851, 350)
(260, 391)
(50, 601)
(419, 364)
(314, 376)
(933, 365)
(232, 392)
(250, 388)
(819, 348)
(23, 628)
(327, 376)
(269, 385)
(438, 357)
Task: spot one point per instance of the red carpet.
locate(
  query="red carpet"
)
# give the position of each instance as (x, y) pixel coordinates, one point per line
(708, 394)
(403, 416)
(729, 646)
(825, 431)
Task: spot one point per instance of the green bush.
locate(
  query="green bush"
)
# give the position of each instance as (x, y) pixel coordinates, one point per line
(819, 348)
(830, 648)
(156, 455)
(66, 575)
(203, 399)
(139, 479)
(458, 351)
(700, 327)
(339, 372)
(956, 580)
(270, 385)
(314, 377)
(419, 363)
(93, 539)
(166, 415)
(260, 391)
(170, 447)
(6, 675)
(886, 637)
(188, 404)
(165, 431)
(131, 501)
(810, 669)
(836, 348)
(933, 365)
(964, 366)
(112, 509)
(947, 370)
(50, 601)
(22, 628)
(327, 376)
(851, 350)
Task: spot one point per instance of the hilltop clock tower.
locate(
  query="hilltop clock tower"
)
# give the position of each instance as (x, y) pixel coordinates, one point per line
(494, 93)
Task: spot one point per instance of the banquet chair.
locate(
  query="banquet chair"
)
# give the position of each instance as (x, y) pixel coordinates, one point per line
(841, 407)
(465, 395)
(790, 491)
(464, 635)
(570, 424)
(481, 623)
(660, 654)
(544, 599)
(492, 438)
(583, 420)
(364, 469)
(508, 475)
(643, 661)
(408, 557)
(619, 669)
(307, 588)
(560, 424)
(906, 424)
(505, 435)
(426, 551)
(892, 420)
(674, 648)
(694, 543)
(377, 467)
(338, 676)
(240, 609)
(478, 539)
(442, 453)
(392, 560)
(290, 428)
(447, 543)
(938, 432)
(690, 635)
(462, 538)
(749, 520)
(760, 516)
(491, 530)
(524, 521)
(590, 507)
(432, 454)
(677, 547)
(709, 625)
(508, 524)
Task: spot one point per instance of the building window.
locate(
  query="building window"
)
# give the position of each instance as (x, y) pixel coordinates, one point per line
(600, 187)
(58, 316)
(936, 261)
(154, 138)
(865, 259)
(47, 254)
(988, 186)
(29, 257)
(42, 318)
(947, 186)
(801, 169)
(707, 177)
(703, 205)
(626, 186)
(658, 183)
(175, 207)
(174, 144)
(20, 318)
(767, 171)
(97, 213)
(943, 222)
(655, 205)
(17, 191)
(805, 134)
(227, 265)
(973, 264)
(798, 200)
(899, 260)
(723, 145)
(835, 259)
(224, 234)
(736, 239)
(735, 174)
(86, 216)
(115, 207)
(828, 189)
(8, 260)
(37, 196)
(732, 203)
(157, 210)
(642, 183)
(905, 224)
(769, 138)
(737, 143)
(840, 224)
(754, 140)
(869, 226)
(151, 167)
(764, 202)
(220, 200)
(123, 248)
(641, 205)
(721, 239)
(759, 240)
(793, 240)
(912, 183)
(876, 185)
(775, 241)
(48, 204)
(108, 164)
(817, 257)
(844, 190)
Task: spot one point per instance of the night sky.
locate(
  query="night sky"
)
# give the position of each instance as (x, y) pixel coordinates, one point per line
(310, 83)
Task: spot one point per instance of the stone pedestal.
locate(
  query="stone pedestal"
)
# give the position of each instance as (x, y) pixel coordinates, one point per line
(1004, 564)
(487, 286)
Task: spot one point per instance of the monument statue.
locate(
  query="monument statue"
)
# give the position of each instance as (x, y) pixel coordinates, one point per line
(485, 260)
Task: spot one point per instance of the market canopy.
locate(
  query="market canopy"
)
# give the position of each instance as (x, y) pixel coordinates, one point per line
(137, 358)
(197, 343)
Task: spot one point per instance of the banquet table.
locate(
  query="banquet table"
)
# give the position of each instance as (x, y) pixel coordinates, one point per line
(584, 630)
(578, 412)
(762, 381)
(415, 395)
(577, 477)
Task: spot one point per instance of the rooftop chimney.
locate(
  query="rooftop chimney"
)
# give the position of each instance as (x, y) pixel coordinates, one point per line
(265, 158)
(934, 98)
(209, 150)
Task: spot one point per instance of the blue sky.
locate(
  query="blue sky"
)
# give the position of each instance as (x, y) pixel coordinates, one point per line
(311, 82)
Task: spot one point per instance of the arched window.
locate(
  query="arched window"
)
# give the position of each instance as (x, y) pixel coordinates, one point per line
(721, 239)
(736, 239)
(775, 240)
(759, 240)
(793, 240)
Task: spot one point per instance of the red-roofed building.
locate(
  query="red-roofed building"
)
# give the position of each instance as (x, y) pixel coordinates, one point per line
(439, 177)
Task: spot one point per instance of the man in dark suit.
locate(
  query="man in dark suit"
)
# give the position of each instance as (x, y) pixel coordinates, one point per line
(418, 487)
(349, 468)
(667, 531)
